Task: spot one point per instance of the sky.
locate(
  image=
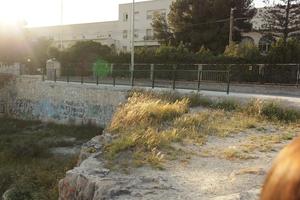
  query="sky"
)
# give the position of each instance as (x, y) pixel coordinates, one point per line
(48, 12)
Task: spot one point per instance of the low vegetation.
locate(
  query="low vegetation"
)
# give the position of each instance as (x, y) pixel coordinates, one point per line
(149, 125)
(28, 169)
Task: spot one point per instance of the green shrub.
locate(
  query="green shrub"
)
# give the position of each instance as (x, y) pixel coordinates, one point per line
(275, 112)
(227, 105)
(285, 53)
(204, 55)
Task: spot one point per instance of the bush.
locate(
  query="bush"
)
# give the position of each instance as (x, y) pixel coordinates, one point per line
(285, 53)
(249, 52)
(171, 54)
(204, 55)
(227, 105)
(274, 112)
(246, 52)
(232, 50)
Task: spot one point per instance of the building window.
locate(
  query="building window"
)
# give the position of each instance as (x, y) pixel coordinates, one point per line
(149, 34)
(149, 14)
(125, 17)
(265, 43)
(136, 15)
(136, 33)
(124, 48)
(125, 34)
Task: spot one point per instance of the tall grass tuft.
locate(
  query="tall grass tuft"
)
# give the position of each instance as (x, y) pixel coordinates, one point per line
(144, 111)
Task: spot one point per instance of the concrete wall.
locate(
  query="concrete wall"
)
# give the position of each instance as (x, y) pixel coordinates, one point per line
(14, 69)
(63, 103)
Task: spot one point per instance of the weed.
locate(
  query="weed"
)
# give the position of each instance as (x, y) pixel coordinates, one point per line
(227, 105)
(234, 154)
(274, 112)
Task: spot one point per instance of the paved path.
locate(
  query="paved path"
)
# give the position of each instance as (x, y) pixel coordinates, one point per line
(286, 100)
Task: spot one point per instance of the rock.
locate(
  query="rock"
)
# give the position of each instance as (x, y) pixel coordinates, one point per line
(6, 194)
(65, 151)
(249, 195)
(94, 146)
(91, 180)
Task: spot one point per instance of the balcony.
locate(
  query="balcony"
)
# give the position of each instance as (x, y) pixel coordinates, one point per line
(148, 38)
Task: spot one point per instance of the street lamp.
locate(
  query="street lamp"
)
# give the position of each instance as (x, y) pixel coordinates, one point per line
(61, 22)
(132, 39)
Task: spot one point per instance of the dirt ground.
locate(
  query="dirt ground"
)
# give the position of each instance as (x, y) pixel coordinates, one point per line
(207, 172)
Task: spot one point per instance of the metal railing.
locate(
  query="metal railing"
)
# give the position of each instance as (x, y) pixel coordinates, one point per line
(215, 77)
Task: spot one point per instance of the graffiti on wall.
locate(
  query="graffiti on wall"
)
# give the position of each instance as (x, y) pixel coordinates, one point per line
(22, 108)
(63, 112)
(71, 109)
(2, 107)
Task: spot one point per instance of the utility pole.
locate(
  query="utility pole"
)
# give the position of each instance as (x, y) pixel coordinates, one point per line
(286, 21)
(61, 22)
(231, 25)
(132, 39)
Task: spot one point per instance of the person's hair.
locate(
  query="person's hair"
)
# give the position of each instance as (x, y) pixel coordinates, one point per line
(283, 180)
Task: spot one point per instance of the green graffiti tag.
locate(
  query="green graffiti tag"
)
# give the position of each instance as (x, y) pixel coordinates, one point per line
(101, 68)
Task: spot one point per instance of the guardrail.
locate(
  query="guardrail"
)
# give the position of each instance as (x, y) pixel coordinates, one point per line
(216, 77)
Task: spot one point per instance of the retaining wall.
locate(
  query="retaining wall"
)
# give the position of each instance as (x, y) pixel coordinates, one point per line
(31, 98)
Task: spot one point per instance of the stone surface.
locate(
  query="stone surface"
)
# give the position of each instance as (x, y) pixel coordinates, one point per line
(202, 178)
(249, 195)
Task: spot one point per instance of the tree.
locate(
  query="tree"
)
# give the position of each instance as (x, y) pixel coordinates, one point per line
(283, 18)
(206, 22)
(82, 55)
(161, 30)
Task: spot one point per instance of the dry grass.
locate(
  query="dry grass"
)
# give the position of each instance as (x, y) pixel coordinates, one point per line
(265, 143)
(149, 124)
(143, 111)
(215, 122)
(235, 154)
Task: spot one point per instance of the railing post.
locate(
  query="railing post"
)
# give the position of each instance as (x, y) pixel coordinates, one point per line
(228, 79)
(152, 76)
(68, 75)
(43, 74)
(174, 77)
(200, 70)
(113, 74)
(97, 79)
(261, 72)
(298, 75)
(81, 76)
(132, 76)
(54, 75)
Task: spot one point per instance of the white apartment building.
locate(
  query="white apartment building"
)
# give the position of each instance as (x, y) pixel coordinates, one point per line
(112, 33)
(118, 33)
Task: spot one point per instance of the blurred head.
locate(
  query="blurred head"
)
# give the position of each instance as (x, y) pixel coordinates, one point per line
(283, 181)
